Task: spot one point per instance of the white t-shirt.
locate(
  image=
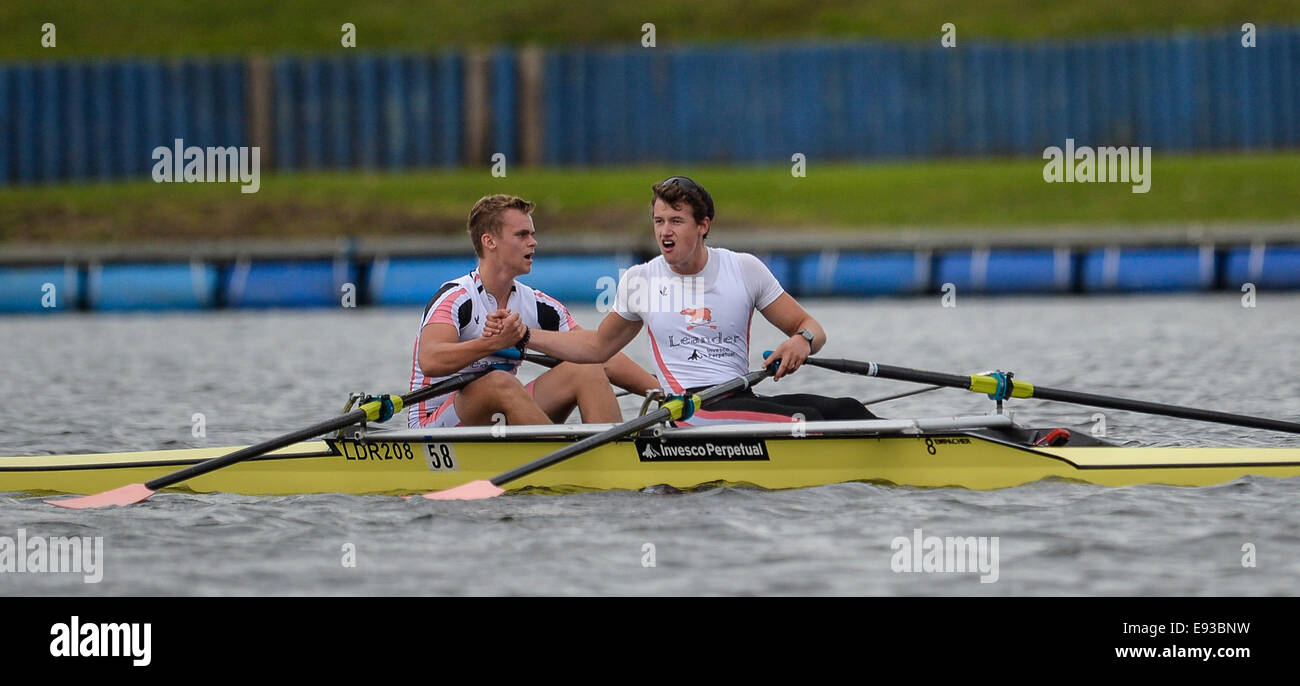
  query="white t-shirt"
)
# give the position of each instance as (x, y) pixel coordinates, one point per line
(465, 304)
(698, 324)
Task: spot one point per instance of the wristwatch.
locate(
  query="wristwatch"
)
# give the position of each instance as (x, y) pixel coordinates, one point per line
(807, 335)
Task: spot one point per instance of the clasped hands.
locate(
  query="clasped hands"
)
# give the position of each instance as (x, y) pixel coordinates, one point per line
(504, 324)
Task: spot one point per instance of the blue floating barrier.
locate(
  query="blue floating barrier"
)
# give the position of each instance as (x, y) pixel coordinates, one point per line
(575, 280)
(1148, 269)
(291, 283)
(413, 280)
(1006, 271)
(782, 267)
(152, 286)
(1273, 266)
(39, 289)
(883, 273)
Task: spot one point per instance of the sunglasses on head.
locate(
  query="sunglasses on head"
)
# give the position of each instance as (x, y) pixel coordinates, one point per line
(690, 185)
(680, 180)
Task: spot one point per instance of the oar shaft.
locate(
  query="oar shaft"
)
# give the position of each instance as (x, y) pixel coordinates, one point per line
(1167, 410)
(307, 433)
(1026, 390)
(263, 447)
(643, 422)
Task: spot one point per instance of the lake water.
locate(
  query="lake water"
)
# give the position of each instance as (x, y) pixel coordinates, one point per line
(102, 383)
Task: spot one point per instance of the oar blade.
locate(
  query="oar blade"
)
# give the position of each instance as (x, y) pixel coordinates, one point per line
(474, 490)
(126, 495)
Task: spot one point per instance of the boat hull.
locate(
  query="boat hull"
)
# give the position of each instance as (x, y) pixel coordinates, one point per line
(973, 460)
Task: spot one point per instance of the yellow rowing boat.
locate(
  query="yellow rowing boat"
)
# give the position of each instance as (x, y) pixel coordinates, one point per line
(976, 452)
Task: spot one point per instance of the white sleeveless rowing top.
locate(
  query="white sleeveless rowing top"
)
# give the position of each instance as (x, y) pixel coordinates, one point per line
(465, 304)
(699, 324)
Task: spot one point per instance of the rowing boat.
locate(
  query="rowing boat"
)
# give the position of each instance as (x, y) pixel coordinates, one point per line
(974, 452)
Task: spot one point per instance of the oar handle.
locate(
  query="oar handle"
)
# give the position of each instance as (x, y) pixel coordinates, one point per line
(357, 415)
(544, 360)
(885, 371)
(517, 354)
(643, 422)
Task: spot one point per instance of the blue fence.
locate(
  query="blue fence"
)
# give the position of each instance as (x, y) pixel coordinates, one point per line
(77, 121)
(747, 104)
(100, 120)
(395, 112)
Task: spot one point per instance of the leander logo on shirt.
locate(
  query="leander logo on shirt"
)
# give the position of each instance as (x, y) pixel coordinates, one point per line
(716, 339)
(698, 317)
(702, 318)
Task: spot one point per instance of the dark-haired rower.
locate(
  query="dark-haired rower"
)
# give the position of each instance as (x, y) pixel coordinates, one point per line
(696, 303)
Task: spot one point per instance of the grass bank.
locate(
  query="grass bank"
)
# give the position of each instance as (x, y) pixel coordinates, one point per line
(858, 197)
(196, 27)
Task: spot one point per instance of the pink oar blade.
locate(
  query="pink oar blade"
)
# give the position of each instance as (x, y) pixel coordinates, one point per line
(126, 495)
(474, 490)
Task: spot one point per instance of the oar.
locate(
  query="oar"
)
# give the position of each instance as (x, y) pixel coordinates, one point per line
(370, 411)
(673, 409)
(999, 385)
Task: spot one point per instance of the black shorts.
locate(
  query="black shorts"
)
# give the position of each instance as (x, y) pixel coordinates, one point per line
(814, 408)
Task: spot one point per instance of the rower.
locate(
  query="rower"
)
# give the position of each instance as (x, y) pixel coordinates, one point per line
(486, 311)
(697, 303)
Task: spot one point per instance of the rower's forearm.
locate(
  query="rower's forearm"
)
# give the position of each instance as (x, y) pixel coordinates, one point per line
(581, 346)
(819, 334)
(628, 375)
(445, 359)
